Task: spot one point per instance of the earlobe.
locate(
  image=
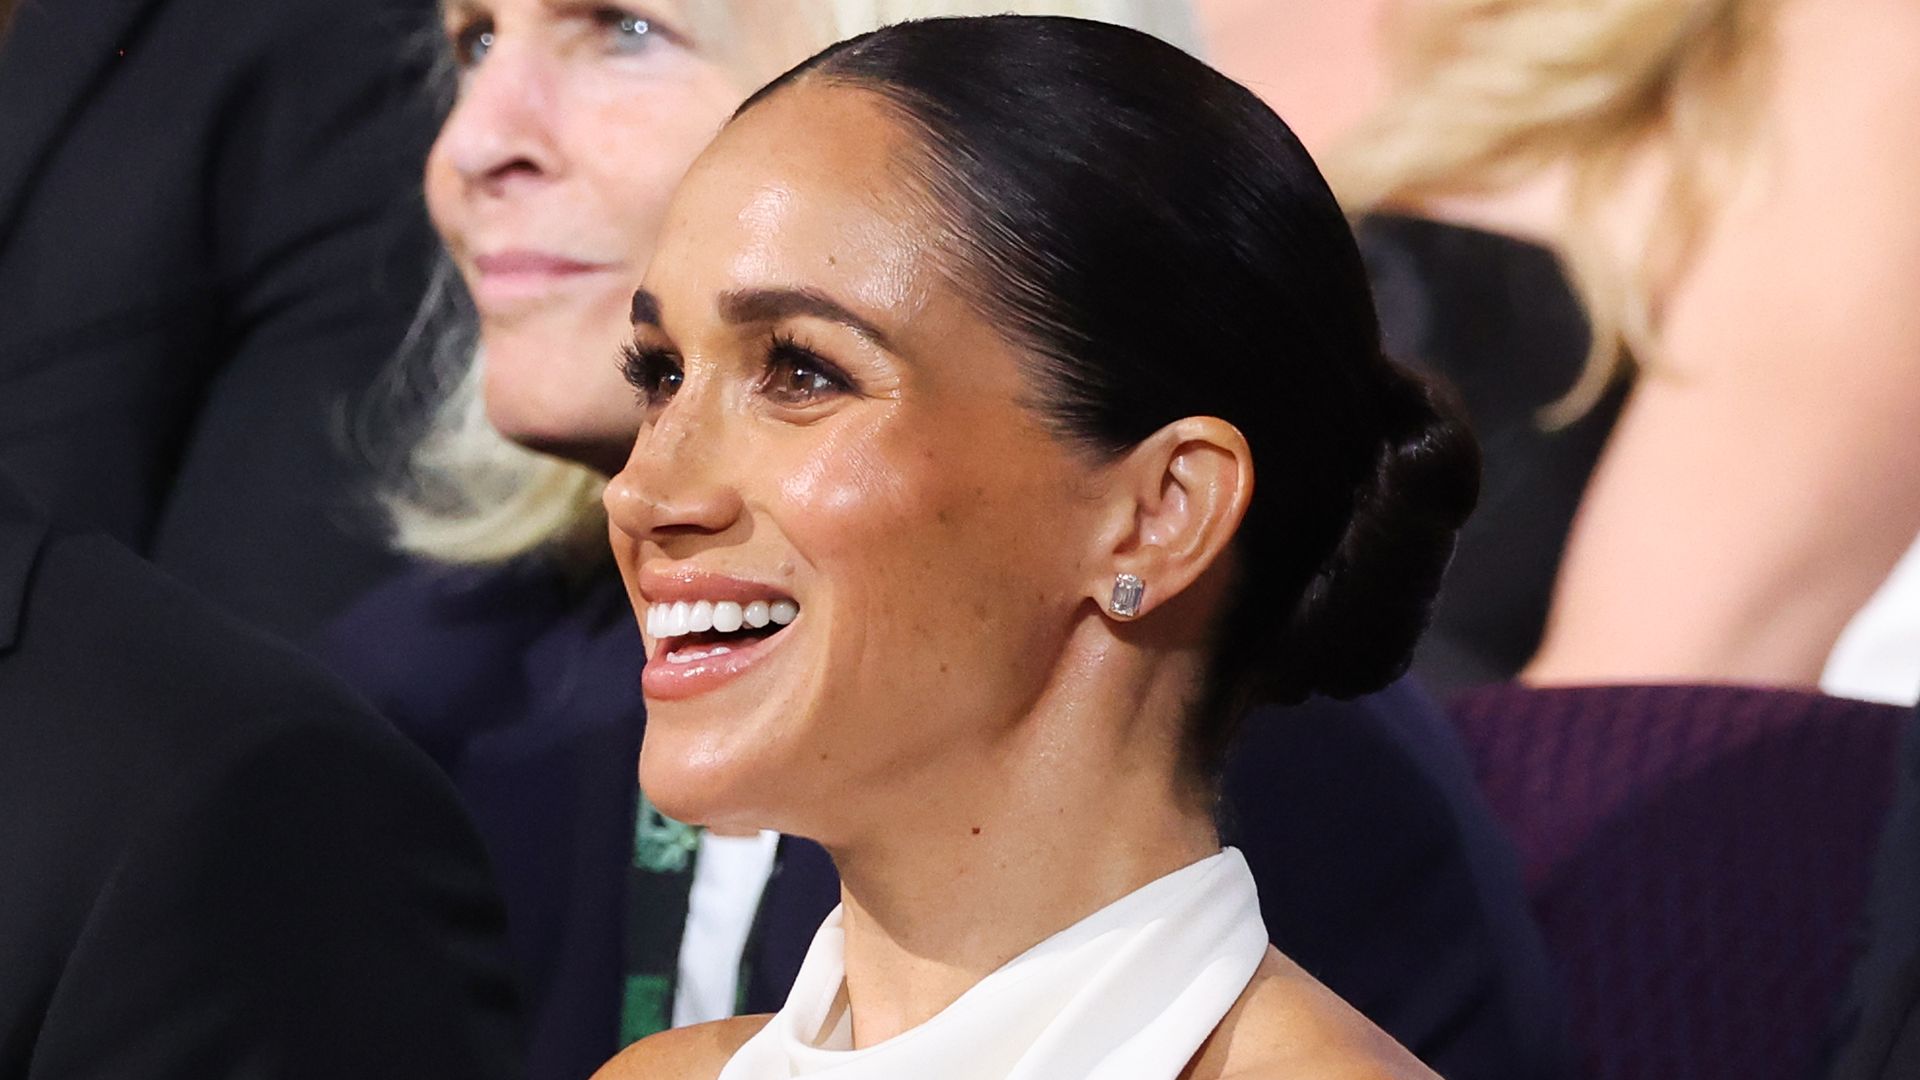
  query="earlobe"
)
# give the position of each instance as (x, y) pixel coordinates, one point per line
(1184, 491)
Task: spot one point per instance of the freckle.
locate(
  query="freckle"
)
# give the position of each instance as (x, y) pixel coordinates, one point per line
(976, 830)
(943, 667)
(832, 261)
(943, 517)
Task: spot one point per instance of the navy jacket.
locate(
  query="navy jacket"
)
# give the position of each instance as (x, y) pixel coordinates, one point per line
(1380, 869)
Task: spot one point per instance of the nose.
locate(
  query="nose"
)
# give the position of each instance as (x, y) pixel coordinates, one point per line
(673, 485)
(503, 127)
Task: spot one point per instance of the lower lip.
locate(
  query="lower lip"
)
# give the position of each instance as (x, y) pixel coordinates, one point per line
(504, 288)
(663, 680)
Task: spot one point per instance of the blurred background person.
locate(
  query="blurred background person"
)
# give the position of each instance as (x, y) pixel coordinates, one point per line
(510, 655)
(1670, 254)
(209, 241)
(219, 862)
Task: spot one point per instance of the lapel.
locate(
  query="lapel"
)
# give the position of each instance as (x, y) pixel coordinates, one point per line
(22, 530)
(57, 52)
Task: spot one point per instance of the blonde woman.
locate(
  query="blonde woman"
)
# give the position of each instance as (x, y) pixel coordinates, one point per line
(1674, 246)
(512, 657)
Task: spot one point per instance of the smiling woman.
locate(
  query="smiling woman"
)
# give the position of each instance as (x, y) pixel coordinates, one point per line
(993, 463)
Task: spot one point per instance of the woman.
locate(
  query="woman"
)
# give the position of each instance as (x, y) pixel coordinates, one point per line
(944, 531)
(511, 655)
(1669, 252)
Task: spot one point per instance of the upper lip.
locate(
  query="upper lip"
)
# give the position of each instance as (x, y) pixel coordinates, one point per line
(662, 584)
(528, 261)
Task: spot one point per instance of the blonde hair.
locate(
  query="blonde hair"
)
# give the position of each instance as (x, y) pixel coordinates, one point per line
(465, 493)
(1491, 93)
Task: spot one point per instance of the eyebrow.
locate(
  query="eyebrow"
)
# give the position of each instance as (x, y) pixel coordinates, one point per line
(768, 305)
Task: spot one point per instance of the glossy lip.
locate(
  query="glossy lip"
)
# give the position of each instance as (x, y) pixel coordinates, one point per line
(665, 584)
(661, 681)
(517, 276)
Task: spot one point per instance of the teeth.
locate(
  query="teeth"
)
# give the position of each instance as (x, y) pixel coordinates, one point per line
(681, 618)
(688, 656)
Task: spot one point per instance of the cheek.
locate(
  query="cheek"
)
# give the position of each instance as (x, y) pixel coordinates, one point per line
(641, 149)
(925, 541)
(441, 185)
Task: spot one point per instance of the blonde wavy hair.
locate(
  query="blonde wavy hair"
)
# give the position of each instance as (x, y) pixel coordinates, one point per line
(465, 494)
(1488, 94)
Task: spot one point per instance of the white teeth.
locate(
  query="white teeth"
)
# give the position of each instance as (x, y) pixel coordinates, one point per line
(681, 618)
(688, 656)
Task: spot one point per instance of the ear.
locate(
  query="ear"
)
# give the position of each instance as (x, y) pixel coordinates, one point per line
(1175, 501)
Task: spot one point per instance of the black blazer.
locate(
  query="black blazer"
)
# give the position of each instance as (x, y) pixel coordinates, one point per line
(210, 238)
(1879, 1026)
(215, 863)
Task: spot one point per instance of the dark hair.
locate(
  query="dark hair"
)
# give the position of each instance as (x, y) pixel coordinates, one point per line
(1163, 246)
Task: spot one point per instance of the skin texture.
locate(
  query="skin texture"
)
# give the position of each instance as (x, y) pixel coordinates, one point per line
(1015, 752)
(1765, 472)
(570, 130)
(1318, 64)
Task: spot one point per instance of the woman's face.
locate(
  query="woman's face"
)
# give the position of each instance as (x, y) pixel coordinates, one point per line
(573, 124)
(835, 438)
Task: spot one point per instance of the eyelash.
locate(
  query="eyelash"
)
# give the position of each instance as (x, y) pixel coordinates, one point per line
(649, 370)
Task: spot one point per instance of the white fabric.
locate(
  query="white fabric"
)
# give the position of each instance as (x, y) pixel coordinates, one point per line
(1878, 655)
(729, 875)
(1128, 993)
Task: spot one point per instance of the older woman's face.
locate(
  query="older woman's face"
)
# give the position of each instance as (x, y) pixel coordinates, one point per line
(833, 439)
(573, 124)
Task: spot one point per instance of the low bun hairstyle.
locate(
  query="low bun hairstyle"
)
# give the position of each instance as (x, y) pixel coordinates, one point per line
(1160, 245)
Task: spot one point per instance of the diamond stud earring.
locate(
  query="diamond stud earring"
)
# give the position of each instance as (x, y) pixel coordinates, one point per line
(1127, 593)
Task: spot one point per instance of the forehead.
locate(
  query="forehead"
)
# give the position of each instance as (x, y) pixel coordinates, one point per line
(808, 188)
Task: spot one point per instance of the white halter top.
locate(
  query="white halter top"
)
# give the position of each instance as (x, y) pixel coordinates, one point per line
(1128, 993)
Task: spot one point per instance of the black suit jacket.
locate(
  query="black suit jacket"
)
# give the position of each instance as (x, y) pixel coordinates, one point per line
(215, 863)
(1879, 1029)
(210, 240)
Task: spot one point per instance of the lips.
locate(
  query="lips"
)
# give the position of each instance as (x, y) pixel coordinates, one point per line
(707, 629)
(516, 277)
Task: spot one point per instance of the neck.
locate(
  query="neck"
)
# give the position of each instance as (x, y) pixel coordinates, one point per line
(1077, 807)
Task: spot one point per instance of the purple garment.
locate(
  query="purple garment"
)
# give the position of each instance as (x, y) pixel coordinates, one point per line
(1698, 858)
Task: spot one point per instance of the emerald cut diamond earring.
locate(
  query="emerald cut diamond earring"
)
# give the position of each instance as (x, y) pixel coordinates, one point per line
(1127, 593)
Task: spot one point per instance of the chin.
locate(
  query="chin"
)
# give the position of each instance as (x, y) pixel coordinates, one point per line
(693, 783)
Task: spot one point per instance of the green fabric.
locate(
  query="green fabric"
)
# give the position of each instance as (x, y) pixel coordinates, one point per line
(659, 881)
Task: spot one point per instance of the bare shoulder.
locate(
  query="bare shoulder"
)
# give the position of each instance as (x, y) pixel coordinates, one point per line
(697, 1053)
(1286, 1025)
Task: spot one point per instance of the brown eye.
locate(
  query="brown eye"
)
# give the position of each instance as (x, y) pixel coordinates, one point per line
(796, 375)
(654, 374)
